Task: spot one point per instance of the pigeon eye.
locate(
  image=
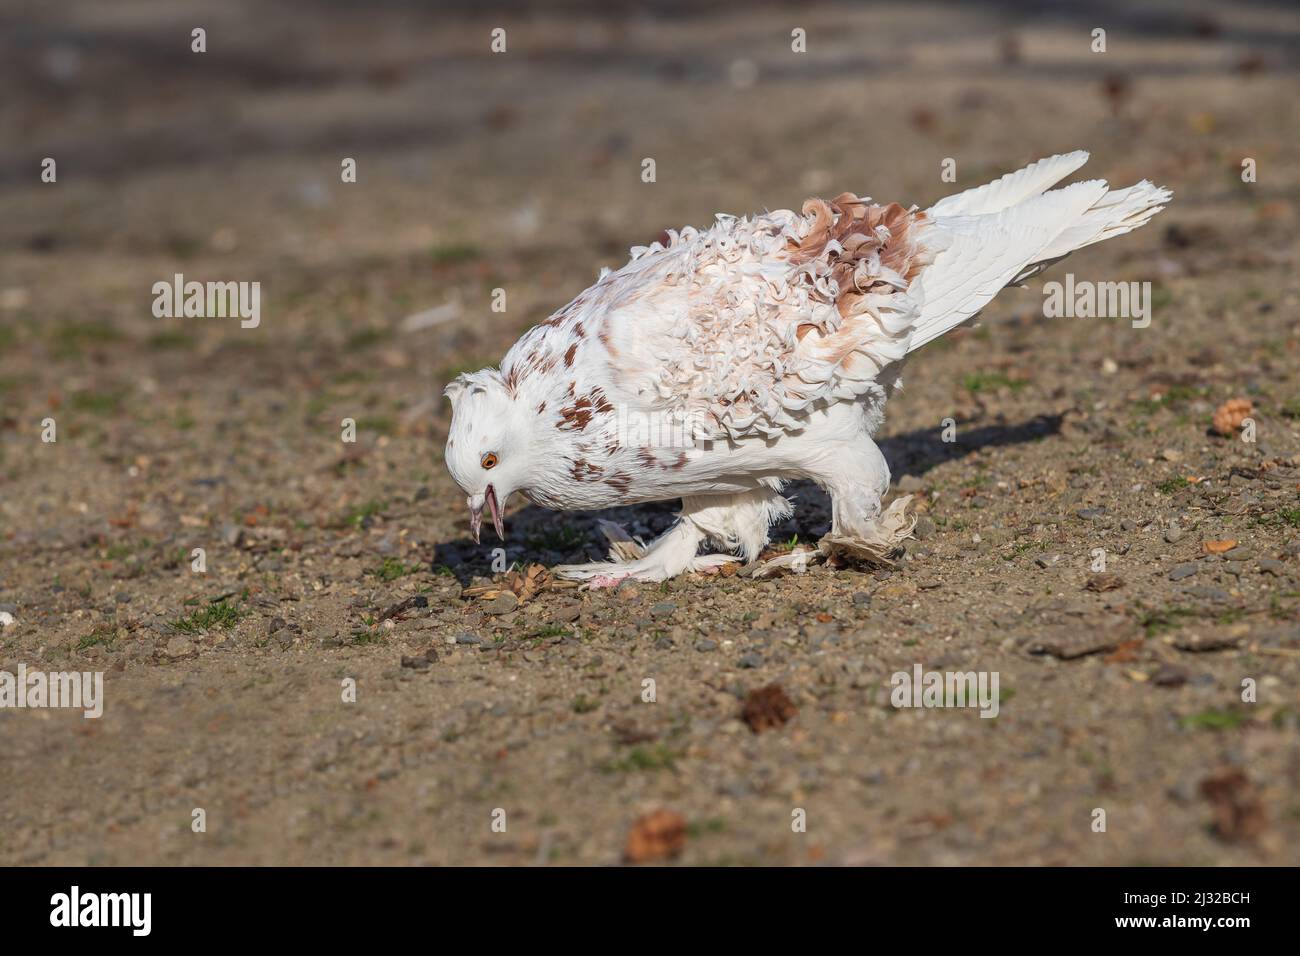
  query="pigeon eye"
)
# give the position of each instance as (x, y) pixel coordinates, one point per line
(489, 461)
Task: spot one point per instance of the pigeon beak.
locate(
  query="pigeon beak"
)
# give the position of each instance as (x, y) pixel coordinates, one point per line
(498, 513)
(476, 504)
(475, 519)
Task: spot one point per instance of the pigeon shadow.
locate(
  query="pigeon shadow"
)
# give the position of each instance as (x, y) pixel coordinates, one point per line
(916, 452)
(547, 537)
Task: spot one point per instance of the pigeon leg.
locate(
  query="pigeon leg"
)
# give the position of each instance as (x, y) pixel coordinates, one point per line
(857, 478)
(667, 556)
(740, 522)
(736, 521)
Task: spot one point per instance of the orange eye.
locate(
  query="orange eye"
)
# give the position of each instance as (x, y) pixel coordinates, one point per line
(489, 461)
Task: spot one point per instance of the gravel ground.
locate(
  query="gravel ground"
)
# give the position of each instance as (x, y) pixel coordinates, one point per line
(331, 562)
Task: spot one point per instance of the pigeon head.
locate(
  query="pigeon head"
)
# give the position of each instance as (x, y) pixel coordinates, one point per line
(488, 452)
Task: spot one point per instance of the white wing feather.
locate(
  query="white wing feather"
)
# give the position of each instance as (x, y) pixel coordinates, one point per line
(1034, 179)
(984, 253)
(987, 251)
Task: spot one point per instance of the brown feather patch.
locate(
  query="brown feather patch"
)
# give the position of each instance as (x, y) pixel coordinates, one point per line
(583, 470)
(853, 223)
(620, 482)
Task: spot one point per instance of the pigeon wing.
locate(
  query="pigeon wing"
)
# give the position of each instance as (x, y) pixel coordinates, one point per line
(734, 331)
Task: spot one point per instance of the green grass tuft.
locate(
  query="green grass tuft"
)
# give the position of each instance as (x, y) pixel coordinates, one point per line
(1213, 720)
(658, 757)
(98, 403)
(1165, 619)
(992, 381)
(391, 569)
(454, 253)
(1170, 485)
(220, 614)
(101, 636)
(358, 515)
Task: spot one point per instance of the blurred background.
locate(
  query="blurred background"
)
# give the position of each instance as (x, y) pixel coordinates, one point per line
(521, 170)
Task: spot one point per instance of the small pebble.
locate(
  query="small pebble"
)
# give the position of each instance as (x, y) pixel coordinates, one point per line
(179, 646)
(1104, 581)
(503, 603)
(1180, 571)
(1170, 675)
(1197, 642)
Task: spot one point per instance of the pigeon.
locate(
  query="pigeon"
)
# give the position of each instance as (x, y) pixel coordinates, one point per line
(720, 364)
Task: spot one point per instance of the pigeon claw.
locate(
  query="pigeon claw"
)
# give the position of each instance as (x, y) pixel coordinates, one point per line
(607, 581)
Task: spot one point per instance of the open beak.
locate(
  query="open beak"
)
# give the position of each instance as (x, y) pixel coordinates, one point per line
(494, 508)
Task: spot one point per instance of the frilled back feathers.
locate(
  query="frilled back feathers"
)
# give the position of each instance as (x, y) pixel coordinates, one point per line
(864, 244)
(737, 328)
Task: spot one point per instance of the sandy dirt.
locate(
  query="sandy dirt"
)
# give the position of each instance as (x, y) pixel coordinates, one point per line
(329, 563)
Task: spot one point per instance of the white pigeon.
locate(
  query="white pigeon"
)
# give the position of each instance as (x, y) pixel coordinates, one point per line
(721, 365)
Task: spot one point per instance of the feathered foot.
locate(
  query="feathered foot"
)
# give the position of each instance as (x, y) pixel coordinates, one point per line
(735, 521)
(876, 543)
(669, 555)
(879, 541)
